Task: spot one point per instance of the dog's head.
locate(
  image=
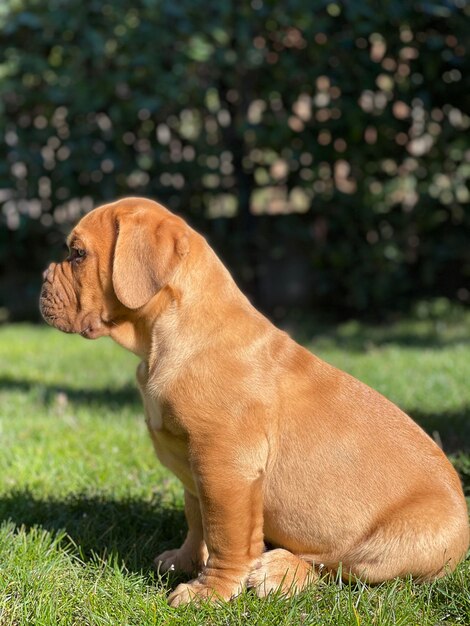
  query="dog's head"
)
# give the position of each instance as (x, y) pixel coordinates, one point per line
(121, 256)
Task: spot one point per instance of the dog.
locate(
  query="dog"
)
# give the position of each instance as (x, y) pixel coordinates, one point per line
(272, 444)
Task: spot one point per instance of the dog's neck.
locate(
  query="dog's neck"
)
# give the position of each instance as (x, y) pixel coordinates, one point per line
(133, 330)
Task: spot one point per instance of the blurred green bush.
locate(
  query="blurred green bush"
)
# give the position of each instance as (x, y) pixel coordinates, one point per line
(323, 147)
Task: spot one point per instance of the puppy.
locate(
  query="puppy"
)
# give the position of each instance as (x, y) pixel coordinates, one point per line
(271, 443)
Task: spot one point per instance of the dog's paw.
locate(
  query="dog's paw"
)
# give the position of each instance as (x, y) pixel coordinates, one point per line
(177, 560)
(207, 589)
(279, 571)
(196, 591)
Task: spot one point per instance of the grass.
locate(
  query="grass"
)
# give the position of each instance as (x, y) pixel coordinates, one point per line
(85, 505)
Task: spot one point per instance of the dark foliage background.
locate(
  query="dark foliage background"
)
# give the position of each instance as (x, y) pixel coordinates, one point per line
(323, 147)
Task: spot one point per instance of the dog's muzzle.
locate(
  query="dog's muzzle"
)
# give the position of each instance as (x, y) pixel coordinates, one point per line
(53, 299)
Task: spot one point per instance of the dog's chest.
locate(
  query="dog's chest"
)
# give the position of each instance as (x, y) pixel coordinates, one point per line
(169, 440)
(153, 414)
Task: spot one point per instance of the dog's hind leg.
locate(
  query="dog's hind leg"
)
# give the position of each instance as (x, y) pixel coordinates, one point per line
(426, 538)
(280, 570)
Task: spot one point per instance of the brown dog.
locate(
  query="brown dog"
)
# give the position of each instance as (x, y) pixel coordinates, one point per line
(270, 442)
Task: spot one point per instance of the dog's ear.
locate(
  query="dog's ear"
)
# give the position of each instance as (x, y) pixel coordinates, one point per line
(148, 250)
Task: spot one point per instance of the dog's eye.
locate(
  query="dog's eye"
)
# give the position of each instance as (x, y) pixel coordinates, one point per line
(76, 255)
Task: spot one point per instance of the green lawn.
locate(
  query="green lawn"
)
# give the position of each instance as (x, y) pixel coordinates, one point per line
(85, 505)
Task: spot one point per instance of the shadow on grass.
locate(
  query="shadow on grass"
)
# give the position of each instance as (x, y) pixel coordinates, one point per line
(450, 429)
(131, 530)
(126, 396)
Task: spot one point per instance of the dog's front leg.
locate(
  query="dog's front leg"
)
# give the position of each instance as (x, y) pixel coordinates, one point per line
(192, 555)
(230, 486)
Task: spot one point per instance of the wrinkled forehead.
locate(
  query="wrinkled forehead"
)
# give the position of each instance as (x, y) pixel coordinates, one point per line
(96, 227)
(100, 224)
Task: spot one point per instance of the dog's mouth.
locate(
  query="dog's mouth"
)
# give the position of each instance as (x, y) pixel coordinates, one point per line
(90, 332)
(56, 321)
(62, 308)
(94, 328)
(50, 314)
(52, 302)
